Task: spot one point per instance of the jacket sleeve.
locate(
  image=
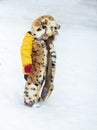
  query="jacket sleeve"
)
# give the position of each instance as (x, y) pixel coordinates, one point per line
(26, 49)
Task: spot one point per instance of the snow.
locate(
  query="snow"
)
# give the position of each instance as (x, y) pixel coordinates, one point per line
(73, 104)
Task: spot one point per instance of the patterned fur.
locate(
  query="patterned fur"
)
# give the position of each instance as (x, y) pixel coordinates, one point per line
(44, 24)
(35, 79)
(40, 81)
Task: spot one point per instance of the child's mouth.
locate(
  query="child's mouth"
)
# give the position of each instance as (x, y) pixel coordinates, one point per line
(45, 37)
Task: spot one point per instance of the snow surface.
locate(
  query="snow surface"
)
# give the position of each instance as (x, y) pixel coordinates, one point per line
(73, 104)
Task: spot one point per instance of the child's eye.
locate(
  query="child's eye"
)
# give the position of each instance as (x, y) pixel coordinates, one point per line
(55, 27)
(39, 29)
(44, 27)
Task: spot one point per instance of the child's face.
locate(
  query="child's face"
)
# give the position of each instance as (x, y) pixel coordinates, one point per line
(45, 26)
(37, 32)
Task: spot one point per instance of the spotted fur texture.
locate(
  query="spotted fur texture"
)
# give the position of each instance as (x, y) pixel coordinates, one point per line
(40, 82)
(44, 24)
(35, 79)
(50, 73)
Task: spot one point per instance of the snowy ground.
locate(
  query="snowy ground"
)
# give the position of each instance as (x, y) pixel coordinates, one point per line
(73, 104)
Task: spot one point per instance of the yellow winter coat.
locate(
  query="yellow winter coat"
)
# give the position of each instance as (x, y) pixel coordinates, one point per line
(26, 49)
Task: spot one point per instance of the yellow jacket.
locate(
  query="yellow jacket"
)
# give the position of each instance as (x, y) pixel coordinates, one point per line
(26, 49)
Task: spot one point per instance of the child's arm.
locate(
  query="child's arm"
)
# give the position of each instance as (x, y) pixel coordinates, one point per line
(26, 53)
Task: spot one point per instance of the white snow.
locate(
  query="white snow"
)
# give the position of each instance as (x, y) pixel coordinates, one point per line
(73, 104)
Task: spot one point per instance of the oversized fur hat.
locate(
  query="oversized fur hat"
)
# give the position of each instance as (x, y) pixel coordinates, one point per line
(45, 24)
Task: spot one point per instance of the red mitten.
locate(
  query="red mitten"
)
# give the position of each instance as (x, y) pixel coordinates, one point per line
(28, 68)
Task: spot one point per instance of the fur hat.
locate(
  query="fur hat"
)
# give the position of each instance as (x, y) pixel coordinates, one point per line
(45, 24)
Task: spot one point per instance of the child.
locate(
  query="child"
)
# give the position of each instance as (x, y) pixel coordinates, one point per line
(38, 59)
(26, 53)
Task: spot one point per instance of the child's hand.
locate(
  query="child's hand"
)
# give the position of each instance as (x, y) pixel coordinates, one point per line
(28, 68)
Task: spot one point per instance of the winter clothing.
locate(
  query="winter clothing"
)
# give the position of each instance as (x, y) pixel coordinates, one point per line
(40, 81)
(26, 52)
(25, 77)
(28, 68)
